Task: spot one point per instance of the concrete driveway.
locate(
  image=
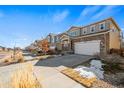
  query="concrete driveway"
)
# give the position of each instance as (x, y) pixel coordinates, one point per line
(67, 60)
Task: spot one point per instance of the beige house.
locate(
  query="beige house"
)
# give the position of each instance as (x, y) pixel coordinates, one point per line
(98, 37)
(65, 40)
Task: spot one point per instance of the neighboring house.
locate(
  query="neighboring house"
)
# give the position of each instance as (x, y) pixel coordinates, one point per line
(64, 41)
(32, 46)
(5, 49)
(51, 38)
(1, 48)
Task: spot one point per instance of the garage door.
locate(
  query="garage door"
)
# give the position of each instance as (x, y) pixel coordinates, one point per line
(87, 48)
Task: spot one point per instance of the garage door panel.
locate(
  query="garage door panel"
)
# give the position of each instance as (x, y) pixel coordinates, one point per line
(87, 48)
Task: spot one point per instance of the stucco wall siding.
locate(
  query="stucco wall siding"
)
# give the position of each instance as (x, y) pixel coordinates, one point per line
(114, 40)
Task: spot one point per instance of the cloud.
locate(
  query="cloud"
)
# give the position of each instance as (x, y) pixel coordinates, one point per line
(88, 11)
(60, 16)
(1, 14)
(21, 39)
(108, 10)
(122, 29)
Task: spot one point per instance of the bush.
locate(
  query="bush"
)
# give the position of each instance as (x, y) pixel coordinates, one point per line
(113, 58)
(112, 62)
(21, 60)
(6, 60)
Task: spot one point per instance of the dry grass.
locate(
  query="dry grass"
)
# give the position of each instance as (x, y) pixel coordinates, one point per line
(18, 57)
(21, 60)
(24, 78)
(1, 85)
(76, 76)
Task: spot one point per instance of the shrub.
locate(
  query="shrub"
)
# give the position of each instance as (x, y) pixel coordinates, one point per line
(20, 60)
(113, 58)
(6, 60)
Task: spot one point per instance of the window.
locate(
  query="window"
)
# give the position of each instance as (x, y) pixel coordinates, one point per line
(75, 33)
(84, 30)
(57, 38)
(48, 38)
(92, 29)
(101, 26)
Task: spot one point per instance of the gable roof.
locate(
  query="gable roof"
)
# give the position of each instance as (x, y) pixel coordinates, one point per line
(76, 27)
(115, 23)
(96, 23)
(60, 35)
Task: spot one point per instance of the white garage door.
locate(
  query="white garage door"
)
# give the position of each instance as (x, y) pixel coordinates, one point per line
(87, 48)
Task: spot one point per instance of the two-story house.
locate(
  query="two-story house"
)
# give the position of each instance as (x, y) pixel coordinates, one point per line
(98, 37)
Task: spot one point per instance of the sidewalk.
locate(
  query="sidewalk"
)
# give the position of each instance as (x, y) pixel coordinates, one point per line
(52, 78)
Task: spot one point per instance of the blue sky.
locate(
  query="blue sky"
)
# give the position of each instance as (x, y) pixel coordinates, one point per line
(24, 24)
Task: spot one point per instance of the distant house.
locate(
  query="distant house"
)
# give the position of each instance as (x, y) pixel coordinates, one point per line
(51, 38)
(31, 47)
(1, 48)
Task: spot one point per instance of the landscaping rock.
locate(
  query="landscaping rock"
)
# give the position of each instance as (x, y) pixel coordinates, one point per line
(102, 84)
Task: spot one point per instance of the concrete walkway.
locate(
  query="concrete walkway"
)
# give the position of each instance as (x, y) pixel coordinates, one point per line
(51, 78)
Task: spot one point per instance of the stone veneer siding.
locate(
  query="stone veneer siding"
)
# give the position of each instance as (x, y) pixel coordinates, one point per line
(104, 45)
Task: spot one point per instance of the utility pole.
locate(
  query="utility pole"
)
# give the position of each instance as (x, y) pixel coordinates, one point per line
(14, 52)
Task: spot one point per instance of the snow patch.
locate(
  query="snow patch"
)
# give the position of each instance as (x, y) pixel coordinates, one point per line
(94, 70)
(83, 71)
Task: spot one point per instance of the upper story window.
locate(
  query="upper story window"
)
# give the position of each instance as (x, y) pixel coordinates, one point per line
(74, 33)
(83, 31)
(57, 38)
(48, 38)
(92, 29)
(53, 39)
(102, 26)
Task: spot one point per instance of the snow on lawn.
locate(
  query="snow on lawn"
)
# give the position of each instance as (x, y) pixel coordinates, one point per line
(95, 70)
(84, 72)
